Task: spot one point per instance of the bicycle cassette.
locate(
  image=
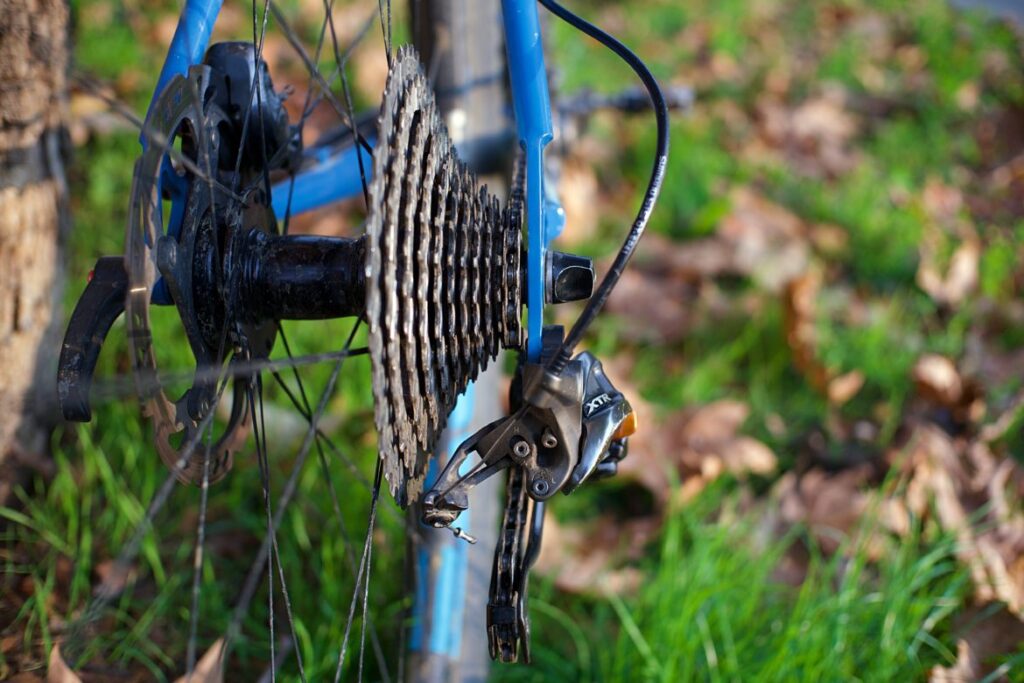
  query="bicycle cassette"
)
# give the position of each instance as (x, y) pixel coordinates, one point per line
(443, 290)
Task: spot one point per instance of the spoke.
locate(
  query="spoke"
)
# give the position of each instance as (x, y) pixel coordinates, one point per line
(197, 563)
(205, 157)
(369, 560)
(315, 73)
(363, 571)
(307, 110)
(123, 385)
(259, 102)
(265, 479)
(121, 109)
(338, 453)
(255, 91)
(346, 539)
(256, 570)
(342, 63)
(312, 65)
(385, 25)
(105, 593)
(275, 554)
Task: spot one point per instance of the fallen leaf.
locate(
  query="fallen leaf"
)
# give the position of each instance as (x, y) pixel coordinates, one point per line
(814, 137)
(58, 671)
(656, 307)
(830, 505)
(960, 279)
(799, 319)
(706, 441)
(953, 478)
(830, 240)
(844, 387)
(208, 668)
(589, 558)
(768, 241)
(988, 636)
(942, 202)
(938, 380)
(113, 578)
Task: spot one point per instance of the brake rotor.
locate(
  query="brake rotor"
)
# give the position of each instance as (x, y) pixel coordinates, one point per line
(442, 276)
(184, 270)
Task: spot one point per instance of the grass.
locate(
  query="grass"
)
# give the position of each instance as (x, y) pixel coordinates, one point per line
(710, 606)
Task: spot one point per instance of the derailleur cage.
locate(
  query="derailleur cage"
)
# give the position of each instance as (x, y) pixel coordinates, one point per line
(565, 428)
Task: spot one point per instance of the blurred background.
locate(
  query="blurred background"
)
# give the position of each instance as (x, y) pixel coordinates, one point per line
(822, 334)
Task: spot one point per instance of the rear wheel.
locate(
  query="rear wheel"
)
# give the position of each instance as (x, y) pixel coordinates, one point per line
(210, 257)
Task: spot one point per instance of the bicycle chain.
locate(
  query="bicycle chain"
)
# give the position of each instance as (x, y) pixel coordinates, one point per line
(441, 253)
(508, 624)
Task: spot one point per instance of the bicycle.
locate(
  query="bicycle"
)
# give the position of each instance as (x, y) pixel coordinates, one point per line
(438, 279)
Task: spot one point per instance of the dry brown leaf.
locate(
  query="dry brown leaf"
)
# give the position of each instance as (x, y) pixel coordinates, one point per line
(706, 442)
(844, 387)
(656, 306)
(957, 479)
(590, 558)
(829, 239)
(799, 310)
(988, 636)
(758, 239)
(822, 121)
(208, 668)
(113, 577)
(830, 506)
(961, 278)
(692, 260)
(833, 507)
(815, 136)
(768, 241)
(942, 202)
(938, 379)
(58, 670)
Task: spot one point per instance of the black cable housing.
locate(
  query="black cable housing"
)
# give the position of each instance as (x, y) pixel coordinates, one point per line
(611, 278)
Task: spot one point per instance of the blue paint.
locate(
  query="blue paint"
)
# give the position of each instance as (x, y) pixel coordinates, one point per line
(333, 178)
(449, 582)
(420, 596)
(191, 38)
(532, 103)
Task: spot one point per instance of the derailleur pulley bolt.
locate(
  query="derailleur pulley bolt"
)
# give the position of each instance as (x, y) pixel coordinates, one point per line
(520, 448)
(539, 487)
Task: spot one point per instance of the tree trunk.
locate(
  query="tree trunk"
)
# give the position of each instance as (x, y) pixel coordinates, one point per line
(33, 219)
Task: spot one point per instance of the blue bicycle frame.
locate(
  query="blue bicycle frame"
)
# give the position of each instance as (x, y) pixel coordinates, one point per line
(336, 176)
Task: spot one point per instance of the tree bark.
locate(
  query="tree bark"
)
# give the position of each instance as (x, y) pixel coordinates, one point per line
(33, 221)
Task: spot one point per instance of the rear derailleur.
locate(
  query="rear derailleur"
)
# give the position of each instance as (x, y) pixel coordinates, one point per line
(565, 428)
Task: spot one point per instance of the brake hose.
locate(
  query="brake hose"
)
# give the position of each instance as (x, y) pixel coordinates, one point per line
(611, 278)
